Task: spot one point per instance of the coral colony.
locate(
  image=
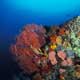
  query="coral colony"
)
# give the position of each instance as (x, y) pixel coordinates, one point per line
(49, 54)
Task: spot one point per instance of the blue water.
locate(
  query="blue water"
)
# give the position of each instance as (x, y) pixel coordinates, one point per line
(14, 14)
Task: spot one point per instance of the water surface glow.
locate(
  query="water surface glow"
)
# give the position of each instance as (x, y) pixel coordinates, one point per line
(45, 6)
(43, 11)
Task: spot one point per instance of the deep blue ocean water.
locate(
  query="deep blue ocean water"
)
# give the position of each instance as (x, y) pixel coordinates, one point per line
(14, 14)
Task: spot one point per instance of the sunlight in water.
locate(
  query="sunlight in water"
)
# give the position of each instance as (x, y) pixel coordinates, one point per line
(45, 6)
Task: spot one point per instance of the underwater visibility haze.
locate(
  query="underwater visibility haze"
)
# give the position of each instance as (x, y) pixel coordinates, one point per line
(14, 14)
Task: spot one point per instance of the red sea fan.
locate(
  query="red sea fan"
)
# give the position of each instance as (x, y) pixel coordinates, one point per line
(32, 35)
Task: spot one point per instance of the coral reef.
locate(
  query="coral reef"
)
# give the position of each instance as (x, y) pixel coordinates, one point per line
(52, 55)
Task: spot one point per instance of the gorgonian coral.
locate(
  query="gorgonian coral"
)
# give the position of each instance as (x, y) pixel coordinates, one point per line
(28, 42)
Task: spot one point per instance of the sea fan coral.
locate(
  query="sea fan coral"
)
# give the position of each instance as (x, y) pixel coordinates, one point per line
(32, 37)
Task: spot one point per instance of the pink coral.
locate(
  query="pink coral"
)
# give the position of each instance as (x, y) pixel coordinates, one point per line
(32, 35)
(52, 57)
(62, 70)
(61, 55)
(64, 63)
(69, 61)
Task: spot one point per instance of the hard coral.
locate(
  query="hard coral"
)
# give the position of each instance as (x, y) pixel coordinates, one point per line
(62, 31)
(53, 38)
(52, 57)
(61, 55)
